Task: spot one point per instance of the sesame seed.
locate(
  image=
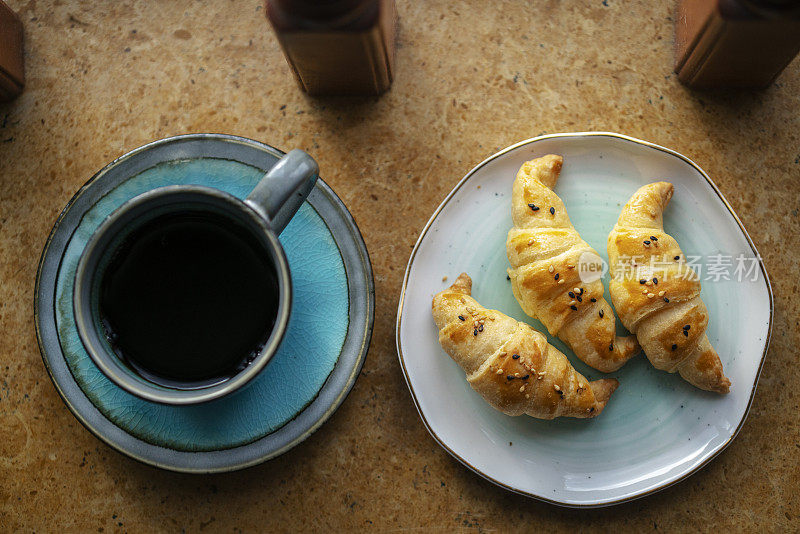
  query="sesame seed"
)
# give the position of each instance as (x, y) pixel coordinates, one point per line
(475, 332)
(686, 333)
(687, 326)
(654, 238)
(461, 317)
(579, 298)
(661, 293)
(572, 303)
(650, 295)
(649, 283)
(611, 347)
(644, 291)
(573, 308)
(655, 280)
(647, 242)
(642, 281)
(508, 277)
(522, 388)
(509, 377)
(525, 377)
(516, 356)
(480, 328)
(676, 258)
(533, 206)
(516, 375)
(674, 346)
(601, 313)
(570, 266)
(555, 386)
(561, 281)
(577, 290)
(556, 276)
(527, 396)
(499, 371)
(666, 299)
(551, 269)
(571, 295)
(552, 211)
(593, 299)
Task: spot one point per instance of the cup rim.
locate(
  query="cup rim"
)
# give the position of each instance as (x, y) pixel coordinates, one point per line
(110, 365)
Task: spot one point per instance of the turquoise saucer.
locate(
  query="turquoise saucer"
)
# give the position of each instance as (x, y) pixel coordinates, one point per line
(312, 372)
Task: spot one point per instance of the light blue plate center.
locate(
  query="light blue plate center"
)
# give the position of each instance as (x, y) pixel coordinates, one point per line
(313, 342)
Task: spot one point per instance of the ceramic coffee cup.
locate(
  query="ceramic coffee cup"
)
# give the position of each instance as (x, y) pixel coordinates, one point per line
(263, 214)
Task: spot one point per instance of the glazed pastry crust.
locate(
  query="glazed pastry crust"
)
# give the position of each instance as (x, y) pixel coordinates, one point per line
(659, 296)
(544, 250)
(511, 365)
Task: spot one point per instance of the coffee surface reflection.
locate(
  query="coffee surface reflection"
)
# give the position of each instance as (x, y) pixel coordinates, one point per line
(189, 299)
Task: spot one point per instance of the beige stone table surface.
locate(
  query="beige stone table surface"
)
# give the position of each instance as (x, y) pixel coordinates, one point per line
(472, 76)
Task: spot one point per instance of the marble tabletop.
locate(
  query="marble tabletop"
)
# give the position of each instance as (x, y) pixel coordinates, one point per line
(471, 77)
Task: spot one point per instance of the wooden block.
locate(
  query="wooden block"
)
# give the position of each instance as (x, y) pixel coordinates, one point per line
(12, 73)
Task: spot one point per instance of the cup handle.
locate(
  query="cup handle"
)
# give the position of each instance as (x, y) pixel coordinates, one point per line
(282, 191)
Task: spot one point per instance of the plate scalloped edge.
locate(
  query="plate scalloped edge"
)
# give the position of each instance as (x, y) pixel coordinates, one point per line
(427, 227)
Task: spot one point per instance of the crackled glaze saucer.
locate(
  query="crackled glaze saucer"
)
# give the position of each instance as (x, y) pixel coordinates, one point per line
(310, 375)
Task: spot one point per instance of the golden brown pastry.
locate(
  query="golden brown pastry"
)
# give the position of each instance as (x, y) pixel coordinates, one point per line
(509, 363)
(657, 296)
(544, 251)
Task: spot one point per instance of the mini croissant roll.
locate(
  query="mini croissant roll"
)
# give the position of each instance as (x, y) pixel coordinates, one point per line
(657, 296)
(544, 250)
(510, 364)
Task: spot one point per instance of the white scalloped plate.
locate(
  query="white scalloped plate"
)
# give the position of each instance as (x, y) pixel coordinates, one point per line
(657, 429)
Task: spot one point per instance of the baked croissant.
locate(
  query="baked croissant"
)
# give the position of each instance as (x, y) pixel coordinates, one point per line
(657, 296)
(510, 364)
(544, 250)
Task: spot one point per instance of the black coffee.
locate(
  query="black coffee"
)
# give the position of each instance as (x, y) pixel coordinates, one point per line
(189, 299)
